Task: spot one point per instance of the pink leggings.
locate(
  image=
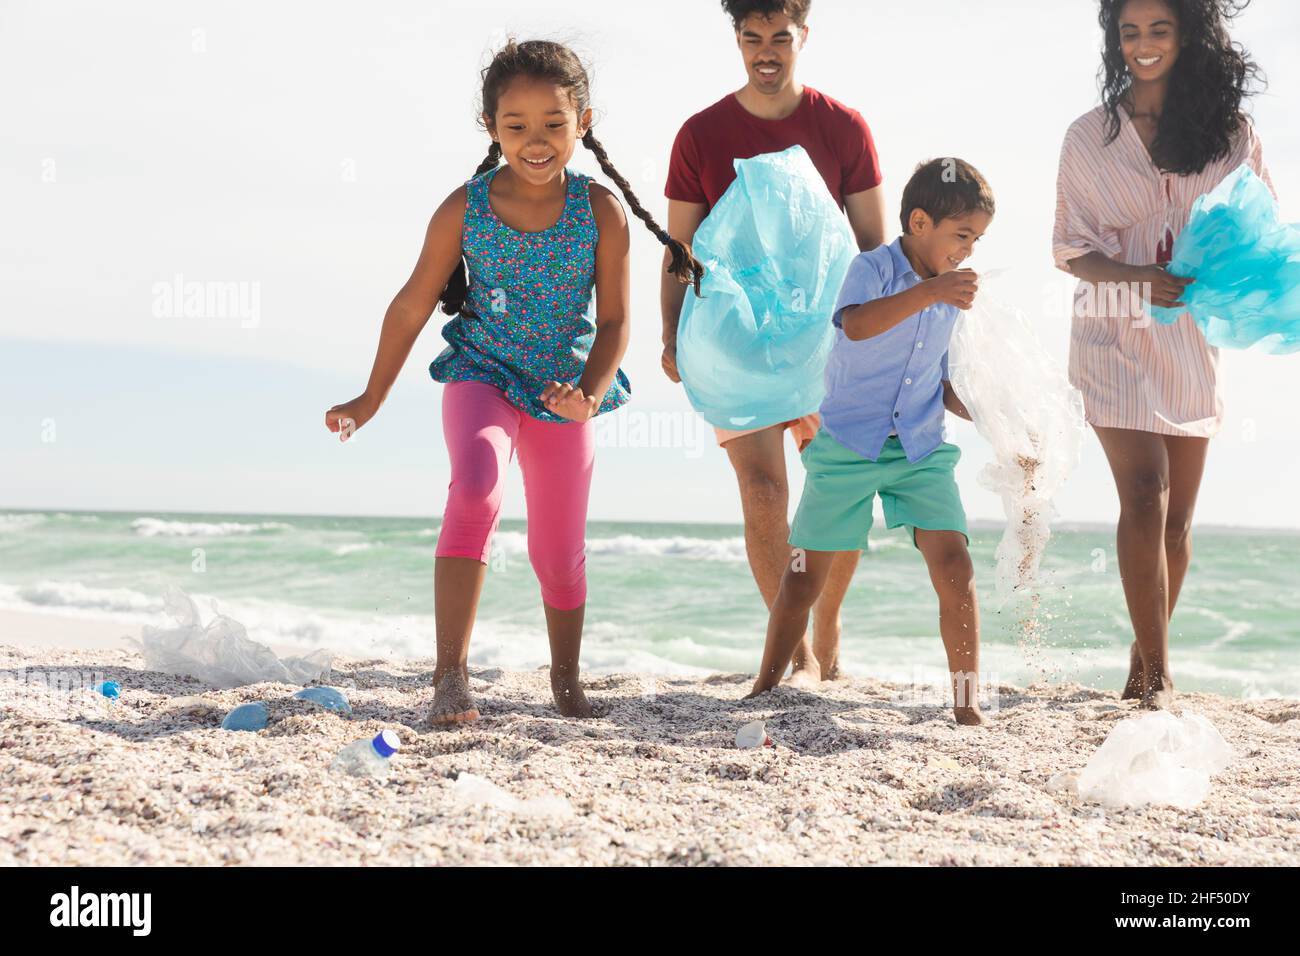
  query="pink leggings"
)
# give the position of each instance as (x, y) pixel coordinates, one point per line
(483, 432)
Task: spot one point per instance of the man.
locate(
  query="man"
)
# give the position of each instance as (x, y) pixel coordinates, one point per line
(772, 112)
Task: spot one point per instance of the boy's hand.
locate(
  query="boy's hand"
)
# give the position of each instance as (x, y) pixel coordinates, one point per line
(1162, 288)
(567, 401)
(956, 288)
(348, 417)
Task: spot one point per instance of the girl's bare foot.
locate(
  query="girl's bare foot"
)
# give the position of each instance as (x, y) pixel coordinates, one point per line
(452, 702)
(969, 716)
(569, 696)
(759, 688)
(1133, 686)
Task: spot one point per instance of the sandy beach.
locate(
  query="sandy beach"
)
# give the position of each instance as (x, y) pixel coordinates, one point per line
(857, 774)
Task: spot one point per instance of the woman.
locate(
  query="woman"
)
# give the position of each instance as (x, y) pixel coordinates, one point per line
(1169, 129)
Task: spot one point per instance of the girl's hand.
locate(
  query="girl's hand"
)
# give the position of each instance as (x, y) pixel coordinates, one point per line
(348, 417)
(567, 401)
(1162, 288)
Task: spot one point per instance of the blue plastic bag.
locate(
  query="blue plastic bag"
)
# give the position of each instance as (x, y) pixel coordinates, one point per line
(1246, 265)
(752, 348)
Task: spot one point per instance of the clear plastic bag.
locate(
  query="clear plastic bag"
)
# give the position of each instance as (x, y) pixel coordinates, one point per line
(221, 653)
(752, 348)
(1246, 264)
(1155, 759)
(1024, 406)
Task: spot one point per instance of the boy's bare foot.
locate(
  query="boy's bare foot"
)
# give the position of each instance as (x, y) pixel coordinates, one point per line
(569, 696)
(969, 716)
(1133, 686)
(452, 701)
(1159, 694)
(831, 671)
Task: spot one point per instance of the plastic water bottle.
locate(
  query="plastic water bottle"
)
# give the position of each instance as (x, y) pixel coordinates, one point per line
(368, 758)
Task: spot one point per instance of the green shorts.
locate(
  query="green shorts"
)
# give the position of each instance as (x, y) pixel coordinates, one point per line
(835, 510)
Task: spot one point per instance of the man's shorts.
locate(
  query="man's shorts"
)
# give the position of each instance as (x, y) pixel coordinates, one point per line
(834, 511)
(802, 430)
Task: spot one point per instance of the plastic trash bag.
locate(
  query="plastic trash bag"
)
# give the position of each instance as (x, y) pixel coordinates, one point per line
(1246, 264)
(1024, 406)
(752, 348)
(1155, 759)
(221, 653)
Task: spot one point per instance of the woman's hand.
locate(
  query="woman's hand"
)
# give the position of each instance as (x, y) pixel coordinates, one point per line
(348, 417)
(567, 401)
(669, 361)
(1162, 288)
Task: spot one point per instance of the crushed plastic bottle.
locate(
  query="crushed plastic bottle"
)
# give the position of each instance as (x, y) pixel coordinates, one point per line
(368, 757)
(753, 735)
(246, 717)
(475, 790)
(1155, 759)
(331, 698)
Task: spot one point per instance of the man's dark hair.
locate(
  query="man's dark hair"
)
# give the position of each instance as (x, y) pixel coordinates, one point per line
(946, 188)
(738, 10)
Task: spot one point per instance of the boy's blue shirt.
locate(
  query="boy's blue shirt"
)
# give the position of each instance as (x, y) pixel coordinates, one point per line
(892, 381)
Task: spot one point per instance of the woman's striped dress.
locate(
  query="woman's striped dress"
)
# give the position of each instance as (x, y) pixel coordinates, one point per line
(1134, 372)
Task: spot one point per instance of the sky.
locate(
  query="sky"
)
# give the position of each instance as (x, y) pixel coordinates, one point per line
(293, 154)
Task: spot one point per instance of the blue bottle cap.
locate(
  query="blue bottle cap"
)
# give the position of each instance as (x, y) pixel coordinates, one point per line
(386, 743)
(110, 689)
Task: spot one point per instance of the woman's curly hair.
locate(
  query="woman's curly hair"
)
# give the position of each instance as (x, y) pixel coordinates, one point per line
(1210, 80)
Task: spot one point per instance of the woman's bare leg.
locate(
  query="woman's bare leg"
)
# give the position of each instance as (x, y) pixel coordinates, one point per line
(1140, 464)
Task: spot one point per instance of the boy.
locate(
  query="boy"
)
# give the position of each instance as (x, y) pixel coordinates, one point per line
(882, 422)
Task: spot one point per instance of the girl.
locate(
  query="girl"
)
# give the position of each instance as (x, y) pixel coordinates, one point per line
(526, 368)
(1169, 129)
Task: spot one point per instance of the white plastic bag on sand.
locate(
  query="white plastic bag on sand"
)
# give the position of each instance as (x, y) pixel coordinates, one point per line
(473, 789)
(1156, 758)
(221, 653)
(1024, 406)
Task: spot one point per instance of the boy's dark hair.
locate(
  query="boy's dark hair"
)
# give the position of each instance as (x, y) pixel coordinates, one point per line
(556, 63)
(738, 10)
(945, 188)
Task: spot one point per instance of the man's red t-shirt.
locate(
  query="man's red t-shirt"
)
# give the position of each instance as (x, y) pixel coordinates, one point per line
(836, 137)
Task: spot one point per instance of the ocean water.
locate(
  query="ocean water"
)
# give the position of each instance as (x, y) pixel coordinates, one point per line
(663, 598)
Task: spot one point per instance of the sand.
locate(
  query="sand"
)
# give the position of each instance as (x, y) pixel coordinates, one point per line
(858, 774)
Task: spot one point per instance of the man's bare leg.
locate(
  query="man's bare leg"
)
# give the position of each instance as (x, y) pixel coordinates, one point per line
(759, 462)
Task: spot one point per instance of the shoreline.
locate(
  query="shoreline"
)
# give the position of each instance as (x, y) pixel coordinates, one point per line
(859, 774)
(976, 524)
